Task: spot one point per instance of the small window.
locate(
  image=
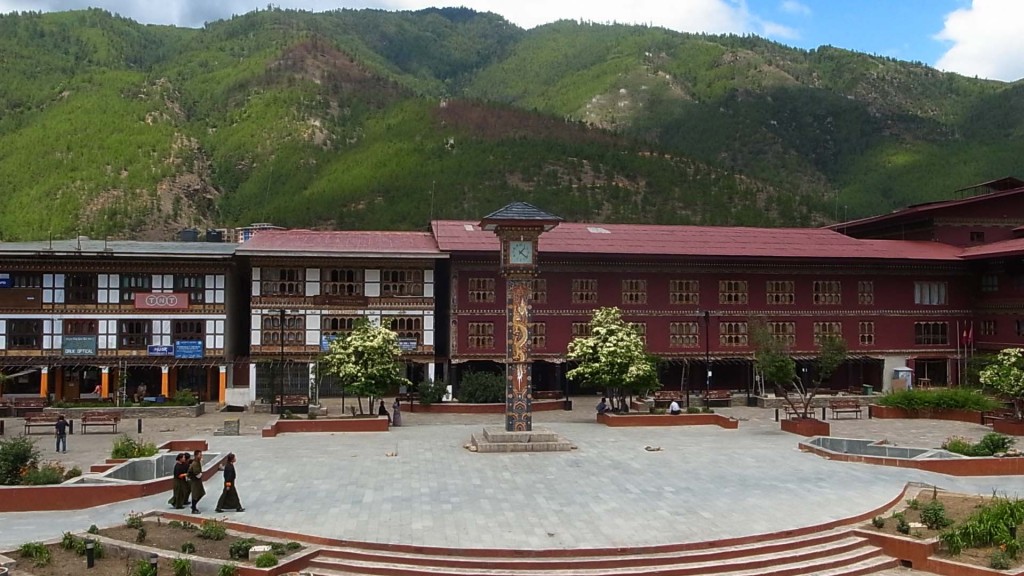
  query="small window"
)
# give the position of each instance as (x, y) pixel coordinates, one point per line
(640, 328)
(784, 332)
(540, 291)
(634, 292)
(865, 292)
(828, 292)
(683, 335)
(538, 335)
(342, 282)
(481, 290)
(988, 328)
(990, 283)
(408, 328)
(291, 332)
(930, 293)
(188, 329)
(977, 236)
(80, 288)
(826, 329)
(481, 335)
(398, 283)
(780, 292)
(134, 334)
(685, 292)
(192, 284)
(732, 292)
(132, 284)
(732, 334)
(867, 333)
(283, 282)
(581, 329)
(584, 291)
(25, 334)
(931, 333)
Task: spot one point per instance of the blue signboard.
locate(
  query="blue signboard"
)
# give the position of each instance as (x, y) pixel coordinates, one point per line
(5, 280)
(325, 341)
(154, 350)
(188, 348)
(78, 346)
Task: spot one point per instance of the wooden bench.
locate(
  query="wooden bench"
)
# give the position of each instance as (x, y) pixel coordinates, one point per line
(797, 410)
(844, 406)
(99, 419)
(666, 397)
(987, 418)
(547, 394)
(40, 420)
(293, 402)
(718, 396)
(26, 405)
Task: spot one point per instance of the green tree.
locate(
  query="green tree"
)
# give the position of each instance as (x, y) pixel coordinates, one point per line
(831, 355)
(1006, 375)
(613, 358)
(771, 355)
(366, 361)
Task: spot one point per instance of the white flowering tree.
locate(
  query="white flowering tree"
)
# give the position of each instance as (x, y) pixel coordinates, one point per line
(1006, 375)
(367, 361)
(613, 358)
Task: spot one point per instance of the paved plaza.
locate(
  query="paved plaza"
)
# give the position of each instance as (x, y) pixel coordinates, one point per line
(418, 485)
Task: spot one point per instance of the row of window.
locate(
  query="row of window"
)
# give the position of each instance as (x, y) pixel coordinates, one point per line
(730, 334)
(27, 334)
(730, 292)
(340, 282)
(293, 330)
(84, 287)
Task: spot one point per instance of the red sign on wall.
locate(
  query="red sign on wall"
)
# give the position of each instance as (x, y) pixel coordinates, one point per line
(161, 301)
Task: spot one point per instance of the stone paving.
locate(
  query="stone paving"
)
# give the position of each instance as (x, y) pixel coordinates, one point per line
(418, 485)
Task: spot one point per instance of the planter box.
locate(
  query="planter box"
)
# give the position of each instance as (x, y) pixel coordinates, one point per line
(619, 420)
(806, 427)
(1008, 427)
(969, 416)
(128, 412)
(370, 424)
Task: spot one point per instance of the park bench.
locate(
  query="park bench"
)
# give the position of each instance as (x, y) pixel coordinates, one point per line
(547, 394)
(293, 402)
(40, 420)
(662, 398)
(90, 419)
(26, 405)
(844, 406)
(987, 418)
(718, 396)
(797, 409)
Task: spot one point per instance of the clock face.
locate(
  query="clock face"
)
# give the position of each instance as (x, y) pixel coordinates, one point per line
(520, 252)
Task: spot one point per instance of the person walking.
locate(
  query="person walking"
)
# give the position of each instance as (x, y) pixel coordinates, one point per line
(181, 493)
(229, 496)
(396, 413)
(383, 411)
(60, 430)
(195, 480)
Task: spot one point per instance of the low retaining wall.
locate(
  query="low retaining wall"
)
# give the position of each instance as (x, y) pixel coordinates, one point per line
(969, 416)
(461, 408)
(820, 401)
(919, 555)
(375, 424)
(127, 412)
(806, 426)
(977, 466)
(622, 420)
(84, 495)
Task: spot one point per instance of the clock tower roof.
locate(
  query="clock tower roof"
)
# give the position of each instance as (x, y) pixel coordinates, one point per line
(519, 214)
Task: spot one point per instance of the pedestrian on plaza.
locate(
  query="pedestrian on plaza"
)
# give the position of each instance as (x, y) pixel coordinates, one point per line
(195, 480)
(674, 408)
(383, 411)
(182, 492)
(229, 496)
(602, 406)
(396, 413)
(60, 430)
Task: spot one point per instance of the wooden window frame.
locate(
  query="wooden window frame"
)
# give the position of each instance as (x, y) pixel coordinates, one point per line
(584, 291)
(481, 290)
(988, 328)
(733, 334)
(342, 281)
(407, 327)
(192, 284)
(733, 292)
(866, 331)
(538, 335)
(866, 292)
(683, 334)
(684, 292)
(338, 325)
(581, 330)
(827, 292)
(401, 282)
(480, 336)
(132, 284)
(81, 288)
(827, 328)
(784, 332)
(294, 331)
(931, 293)
(539, 291)
(81, 327)
(134, 334)
(931, 333)
(25, 334)
(634, 292)
(188, 329)
(780, 292)
(283, 281)
(990, 283)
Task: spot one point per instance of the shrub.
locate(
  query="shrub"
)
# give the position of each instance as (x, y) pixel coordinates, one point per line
(37, 551)
(239, 549)
(17, 454)
(957, 444)
(1000, 560)
(74, 472)
(144, 568)
(184, 398)
(914, 504)
(878, 522)
(140, 536)
(188, 548)
(182, 567)
(228, 570)
(991, 443)
(93, 529)
(127, 447)
(988, 526)
(175, 524)
(213, 530)
(693, 410)
(902, 526)
(948, 398)
(265, 560)
(482, 388)
(431, 391)
(47, 473)
(933, 515)
(292, 546)
(68, 541)
(133, 520)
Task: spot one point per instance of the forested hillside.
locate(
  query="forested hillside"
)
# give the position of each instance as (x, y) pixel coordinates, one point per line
(373, 119)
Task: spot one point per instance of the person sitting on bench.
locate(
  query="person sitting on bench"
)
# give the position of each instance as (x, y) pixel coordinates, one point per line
(674, 408)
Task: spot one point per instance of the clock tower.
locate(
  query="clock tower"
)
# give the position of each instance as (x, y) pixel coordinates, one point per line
(518, 227)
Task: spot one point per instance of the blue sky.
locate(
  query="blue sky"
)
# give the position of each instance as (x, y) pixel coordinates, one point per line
(971, 37)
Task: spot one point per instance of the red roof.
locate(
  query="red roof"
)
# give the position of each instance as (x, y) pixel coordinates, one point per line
(925, 208)
(1012, 247)
(343, 242)
(708, 241)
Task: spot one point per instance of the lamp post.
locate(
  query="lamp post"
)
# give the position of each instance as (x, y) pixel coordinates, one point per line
(707, 351)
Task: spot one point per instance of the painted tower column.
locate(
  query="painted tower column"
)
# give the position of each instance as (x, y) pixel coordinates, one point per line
(222, 384)
(104, 381)
(518, 227)
(44, 382)
(165, 384)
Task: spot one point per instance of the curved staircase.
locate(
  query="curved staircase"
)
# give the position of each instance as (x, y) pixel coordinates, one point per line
(836, 552)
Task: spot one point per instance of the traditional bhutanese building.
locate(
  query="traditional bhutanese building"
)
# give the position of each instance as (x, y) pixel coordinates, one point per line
(85, 318)
(309, 287)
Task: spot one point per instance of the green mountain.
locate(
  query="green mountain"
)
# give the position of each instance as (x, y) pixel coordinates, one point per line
(372, 119)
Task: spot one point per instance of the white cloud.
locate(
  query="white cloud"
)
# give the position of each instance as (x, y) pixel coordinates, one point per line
(794, 7)
(986, 40)
(712, 16)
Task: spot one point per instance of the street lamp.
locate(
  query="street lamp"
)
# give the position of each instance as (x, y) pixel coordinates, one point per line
(707, 351)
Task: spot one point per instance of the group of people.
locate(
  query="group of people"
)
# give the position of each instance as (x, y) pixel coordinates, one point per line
(188, 483)
(394, 417)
